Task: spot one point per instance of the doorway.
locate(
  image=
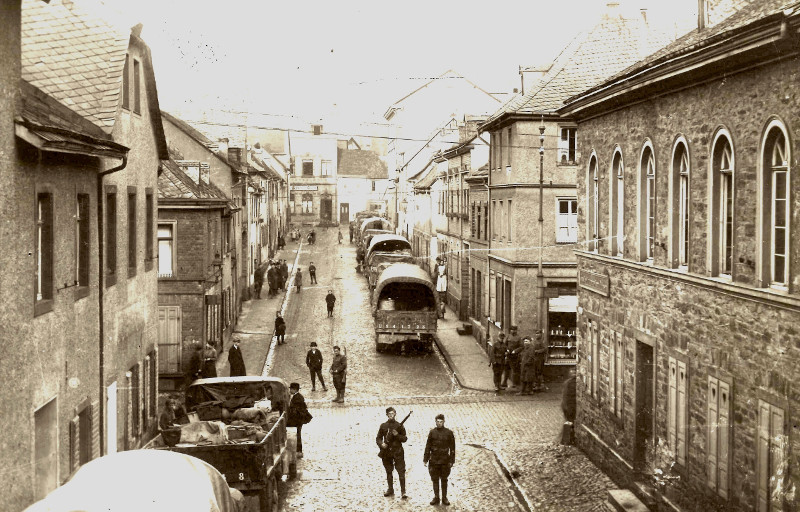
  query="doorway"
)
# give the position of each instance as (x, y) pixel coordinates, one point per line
(344, 213)
(45, 421)
(325, 209)
(643, 431)
(111, 418)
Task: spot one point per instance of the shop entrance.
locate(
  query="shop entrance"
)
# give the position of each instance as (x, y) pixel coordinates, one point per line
(326, 209)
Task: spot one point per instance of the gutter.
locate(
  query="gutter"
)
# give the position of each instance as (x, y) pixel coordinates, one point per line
(101, 294)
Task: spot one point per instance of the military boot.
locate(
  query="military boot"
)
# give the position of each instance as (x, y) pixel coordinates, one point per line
(435, 500)
(444, 493)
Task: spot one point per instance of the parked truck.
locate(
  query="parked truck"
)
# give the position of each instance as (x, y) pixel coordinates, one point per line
(238, 425)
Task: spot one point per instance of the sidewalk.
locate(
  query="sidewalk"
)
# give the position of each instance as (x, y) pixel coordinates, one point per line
(257, 322)
(466, 358)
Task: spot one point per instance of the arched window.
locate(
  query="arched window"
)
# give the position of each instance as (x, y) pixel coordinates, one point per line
(647, 203)
(774, 207)
(593, 196)
(680, 204)
(722, 205)
(617, 201)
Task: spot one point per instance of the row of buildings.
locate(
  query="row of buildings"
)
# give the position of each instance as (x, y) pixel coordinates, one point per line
(636, 201)
(132, 235)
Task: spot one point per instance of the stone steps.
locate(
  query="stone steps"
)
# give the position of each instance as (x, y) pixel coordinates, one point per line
(623, 500)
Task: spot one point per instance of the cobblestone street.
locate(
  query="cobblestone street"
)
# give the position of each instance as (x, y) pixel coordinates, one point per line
(507, 455)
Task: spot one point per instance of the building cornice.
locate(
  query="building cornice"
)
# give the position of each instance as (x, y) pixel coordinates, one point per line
(533, 264)
(768, 296)
(533, 185)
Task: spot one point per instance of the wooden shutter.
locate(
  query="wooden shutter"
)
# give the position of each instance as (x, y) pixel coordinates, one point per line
(672, 436)
(763, 497)
(724, 429)
(74, 444)
(612, 372)
(776, 471)
(683, 380)
(712, 419)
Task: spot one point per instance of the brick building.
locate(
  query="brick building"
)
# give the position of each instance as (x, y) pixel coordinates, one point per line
(80, 207)
(688, 304)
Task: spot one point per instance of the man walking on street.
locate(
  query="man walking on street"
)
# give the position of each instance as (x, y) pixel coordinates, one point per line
(390, 439)
(298, 279)
(312, 271)
(314, 363)
(297, 414)
(527, 364)
(440, 455)
(512, 361)
(280, 328)
(339, 374)
(330, 300)
(235, 359)
(497, 360)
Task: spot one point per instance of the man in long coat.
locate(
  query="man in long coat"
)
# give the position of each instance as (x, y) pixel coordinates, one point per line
(235, 359)
(272, 280)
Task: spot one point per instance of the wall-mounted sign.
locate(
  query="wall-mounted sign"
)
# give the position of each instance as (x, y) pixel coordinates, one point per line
(303, 187)
(598, 283)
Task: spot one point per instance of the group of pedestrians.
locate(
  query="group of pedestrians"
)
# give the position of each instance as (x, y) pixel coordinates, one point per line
(277, 273)
(521, 359)
(439, 455)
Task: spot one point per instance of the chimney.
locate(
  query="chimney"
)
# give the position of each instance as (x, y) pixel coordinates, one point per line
(192, 169)
(235, 155)
(205, 172)
(702, 14)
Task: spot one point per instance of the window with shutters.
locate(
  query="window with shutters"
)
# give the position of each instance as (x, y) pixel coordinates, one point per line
(44, 253)
(308, 203)
(136, 400)
(472, 220)
(566, 220)
(492, 296)
(111, 235)
(149, 228)
(126, 85)
(169, 340)
(325, 169)
(486, 220)
(131, 231)
(593, 358)
(137, 87)
(213, 319)
(719, 436)
(616, 375)
(508, 219)
(82, 240)
(80, 438)
(677, 418)
(772, 457)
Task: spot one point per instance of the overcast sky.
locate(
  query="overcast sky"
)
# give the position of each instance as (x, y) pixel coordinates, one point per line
(348, 58)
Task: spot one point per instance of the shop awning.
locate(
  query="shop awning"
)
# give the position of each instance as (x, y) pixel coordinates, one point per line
(563, 304)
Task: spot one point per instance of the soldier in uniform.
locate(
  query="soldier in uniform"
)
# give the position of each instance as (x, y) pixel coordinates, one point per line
(512, 361)
(527, 364)
(440, 455)
(390, 439)
(497, 359)
(339, 373)
(539, 357)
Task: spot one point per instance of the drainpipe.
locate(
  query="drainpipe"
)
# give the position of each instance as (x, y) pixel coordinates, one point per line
(489, 234)
(101, 294)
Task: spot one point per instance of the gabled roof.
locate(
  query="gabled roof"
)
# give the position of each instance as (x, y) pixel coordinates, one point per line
(78, 59)
(479, 174)
(174, 183)
(426, 178)
(198, 136)
(265, 163)
(697, 39)
(361, 163)
(612, 44)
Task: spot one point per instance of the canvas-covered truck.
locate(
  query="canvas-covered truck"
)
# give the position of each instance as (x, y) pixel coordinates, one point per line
(238, 425)
(404, 307)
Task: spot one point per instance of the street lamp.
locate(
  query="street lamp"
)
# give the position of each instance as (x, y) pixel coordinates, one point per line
(540, 273)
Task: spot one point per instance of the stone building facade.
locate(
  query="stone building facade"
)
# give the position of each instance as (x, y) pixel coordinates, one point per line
(312, 188)
(477, 180)
(688, 301)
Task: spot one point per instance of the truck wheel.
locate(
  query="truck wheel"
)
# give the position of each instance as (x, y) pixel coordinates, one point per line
(379, 347)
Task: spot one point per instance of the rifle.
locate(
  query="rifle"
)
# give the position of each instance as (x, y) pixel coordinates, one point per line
(383, 451)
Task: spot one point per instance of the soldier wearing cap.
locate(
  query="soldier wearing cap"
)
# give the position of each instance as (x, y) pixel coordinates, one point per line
(527, 365)
(512, 361)
(497, 359)
(540, 355)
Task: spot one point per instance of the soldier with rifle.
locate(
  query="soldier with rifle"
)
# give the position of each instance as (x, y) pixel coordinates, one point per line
(390, 439)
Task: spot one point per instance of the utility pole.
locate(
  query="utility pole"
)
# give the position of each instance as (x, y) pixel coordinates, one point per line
(540, 274)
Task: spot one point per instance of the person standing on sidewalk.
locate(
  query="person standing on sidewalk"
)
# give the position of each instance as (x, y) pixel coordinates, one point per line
(527, 364)
(258, 279)
(440, 455)
(339, 374)
(209, 362)
(512, 361)
(497, 360)
(235, 359)
(298, 279)
(314, 364)
(280, 328)
(390, 439)
(284, 271)
(330, 300)
(351, 232)
(297, 414)
(312, 271)
(340, 237)
(539, 357)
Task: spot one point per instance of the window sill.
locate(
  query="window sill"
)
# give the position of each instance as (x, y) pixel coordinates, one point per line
(80, 292)
(43, 306)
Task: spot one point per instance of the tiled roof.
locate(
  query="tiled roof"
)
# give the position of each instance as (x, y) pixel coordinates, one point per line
(75, 57)
(362, 163)
(174, 183)
(428, 178)
(747, 14)
(611, 45)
